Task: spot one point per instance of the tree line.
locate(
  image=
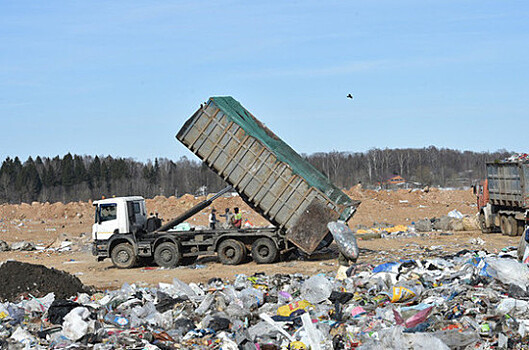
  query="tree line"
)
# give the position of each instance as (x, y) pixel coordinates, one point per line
(80, 178)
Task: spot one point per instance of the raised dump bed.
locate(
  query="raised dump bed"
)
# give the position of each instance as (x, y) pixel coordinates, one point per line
(268, 174)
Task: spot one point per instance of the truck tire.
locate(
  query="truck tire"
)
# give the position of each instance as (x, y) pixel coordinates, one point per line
(521, 227)
(505, 225)
(123, 256)
(513, 226)
(167, 254)
(230, 252)
(244, 251)
(264, 251)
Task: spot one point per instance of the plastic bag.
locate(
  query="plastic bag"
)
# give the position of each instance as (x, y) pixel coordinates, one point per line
(405, 291)
(456, 214)
(287, 310)
(509, 271)
(456, 339)
(74, 326)
(251, 298)
(117, 320)
(23, 336)
(60, 308)
(316, 289)
(510, 305)
(205, 304)
(394, 338)
(314, 335)
(345, 239)
(414, 320)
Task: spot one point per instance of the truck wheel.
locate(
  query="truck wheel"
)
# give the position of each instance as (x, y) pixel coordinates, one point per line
(123, 256)
(167, 254)
(230, 252)
(514, 226)
(264, 251)
(244, 251)
(521, 227)
(505, 225)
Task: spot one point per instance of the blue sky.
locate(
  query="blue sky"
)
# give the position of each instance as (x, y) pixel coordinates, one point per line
(120, 77)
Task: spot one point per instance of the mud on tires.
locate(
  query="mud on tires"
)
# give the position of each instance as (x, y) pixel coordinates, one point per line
(231, 252)
(264, 251)
(123, 256)
(167, 254)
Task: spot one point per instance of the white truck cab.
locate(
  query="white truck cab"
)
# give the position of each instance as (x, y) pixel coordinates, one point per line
(118, 215)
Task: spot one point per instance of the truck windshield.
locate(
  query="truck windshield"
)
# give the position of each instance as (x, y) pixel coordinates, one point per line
(108, 212)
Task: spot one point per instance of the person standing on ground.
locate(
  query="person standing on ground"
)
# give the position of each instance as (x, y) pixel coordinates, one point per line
(237, 218)
(229, 218)
(212, 219)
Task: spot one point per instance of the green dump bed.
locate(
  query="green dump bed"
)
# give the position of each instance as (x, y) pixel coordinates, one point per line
(268, 174)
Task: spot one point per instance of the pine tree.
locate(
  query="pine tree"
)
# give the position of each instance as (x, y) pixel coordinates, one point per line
(67, 172)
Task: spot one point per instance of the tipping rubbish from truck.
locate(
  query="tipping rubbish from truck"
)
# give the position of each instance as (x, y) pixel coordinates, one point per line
(270, 177)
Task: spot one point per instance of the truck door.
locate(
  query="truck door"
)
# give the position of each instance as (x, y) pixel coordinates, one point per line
(139, 212)
(106, 220)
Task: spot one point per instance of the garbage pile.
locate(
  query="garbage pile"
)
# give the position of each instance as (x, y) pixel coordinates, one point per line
(518, 158)
(469, 300)
(453, 221)
(381, 230)
(56, 246)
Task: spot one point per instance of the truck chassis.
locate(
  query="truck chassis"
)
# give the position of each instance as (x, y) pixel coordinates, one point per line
(173, 248)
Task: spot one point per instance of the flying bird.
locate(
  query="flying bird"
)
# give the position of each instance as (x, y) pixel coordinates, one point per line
(350, 96)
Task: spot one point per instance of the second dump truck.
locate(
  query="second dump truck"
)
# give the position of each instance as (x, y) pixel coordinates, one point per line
(268, 174)
(503, 198)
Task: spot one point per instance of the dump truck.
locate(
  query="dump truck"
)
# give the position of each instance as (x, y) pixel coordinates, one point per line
(503, 198)
(274, 180)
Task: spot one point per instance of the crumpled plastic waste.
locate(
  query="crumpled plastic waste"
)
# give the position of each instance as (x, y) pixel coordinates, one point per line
(472, 299)
(75, 324)
(344, 238)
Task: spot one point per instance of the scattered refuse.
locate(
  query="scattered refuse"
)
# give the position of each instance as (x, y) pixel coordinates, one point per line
(477, 241)
(456, 214)
(470, 299)
(4, 246)
(23, 246)
(345, 239)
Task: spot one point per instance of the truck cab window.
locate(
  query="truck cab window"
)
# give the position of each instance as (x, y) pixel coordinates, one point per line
(108, 212)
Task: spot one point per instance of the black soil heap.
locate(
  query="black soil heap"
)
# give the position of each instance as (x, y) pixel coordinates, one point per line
(18, 278)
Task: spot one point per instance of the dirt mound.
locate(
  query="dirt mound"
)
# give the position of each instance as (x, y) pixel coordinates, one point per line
(38, 280)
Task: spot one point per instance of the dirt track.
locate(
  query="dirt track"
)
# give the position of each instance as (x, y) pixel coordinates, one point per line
(48, 223)
(103, 275)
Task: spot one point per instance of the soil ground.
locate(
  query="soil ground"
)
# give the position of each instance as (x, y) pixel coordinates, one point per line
(50, 224)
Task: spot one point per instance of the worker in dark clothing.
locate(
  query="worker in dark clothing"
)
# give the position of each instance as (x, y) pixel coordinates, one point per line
(213, 219)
